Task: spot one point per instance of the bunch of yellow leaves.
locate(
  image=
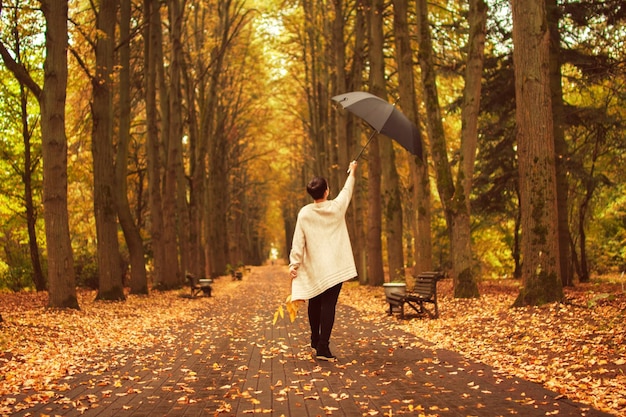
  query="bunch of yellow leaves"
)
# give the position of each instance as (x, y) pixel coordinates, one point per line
(290, 306)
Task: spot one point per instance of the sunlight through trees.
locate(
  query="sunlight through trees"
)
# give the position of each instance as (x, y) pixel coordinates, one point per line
(184, 133)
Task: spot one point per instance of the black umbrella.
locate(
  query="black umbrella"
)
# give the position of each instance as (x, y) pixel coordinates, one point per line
(384, 118)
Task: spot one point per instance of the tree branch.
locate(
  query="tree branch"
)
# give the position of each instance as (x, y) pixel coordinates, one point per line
(81, 63)
(19, 71)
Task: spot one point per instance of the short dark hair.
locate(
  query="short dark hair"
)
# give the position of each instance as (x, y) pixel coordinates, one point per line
(317, 187)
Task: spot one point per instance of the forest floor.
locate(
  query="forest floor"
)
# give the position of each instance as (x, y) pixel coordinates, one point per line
(576, 349)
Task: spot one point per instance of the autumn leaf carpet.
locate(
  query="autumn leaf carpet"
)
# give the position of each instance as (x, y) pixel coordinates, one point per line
(170, 355)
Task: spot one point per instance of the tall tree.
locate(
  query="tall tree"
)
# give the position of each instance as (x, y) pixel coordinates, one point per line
(52, 99)
(316, 72)
(171, 97)
(134, 242)
(231, 19)
(375, 271)
(560, 145)
(206, 50)
(31, 159)
(419, 167)
(537, 172)
(391, 202)
(465, 281)
(31, 162)
(339, 47)
(152, 47)
(195, 87)
(346, 130)
(455, 198)
(355, 83)
(111, 286)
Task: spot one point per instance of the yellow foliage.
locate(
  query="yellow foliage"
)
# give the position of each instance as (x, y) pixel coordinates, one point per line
(292, 310)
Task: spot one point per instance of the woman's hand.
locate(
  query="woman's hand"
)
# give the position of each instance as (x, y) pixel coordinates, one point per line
(293, 271)
(352, 168)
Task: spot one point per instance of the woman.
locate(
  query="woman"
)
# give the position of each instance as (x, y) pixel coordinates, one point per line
(321, 258)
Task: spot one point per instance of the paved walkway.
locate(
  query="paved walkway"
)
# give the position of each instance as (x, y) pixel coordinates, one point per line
(232, 362)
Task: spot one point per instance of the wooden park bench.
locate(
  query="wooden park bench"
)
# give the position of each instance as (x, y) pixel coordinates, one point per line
(199, 285)
(424, 292)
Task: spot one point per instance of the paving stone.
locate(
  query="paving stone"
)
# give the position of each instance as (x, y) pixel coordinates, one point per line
(232, 361)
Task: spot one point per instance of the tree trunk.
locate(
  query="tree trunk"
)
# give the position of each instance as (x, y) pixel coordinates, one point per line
(176, 112)
(218, 202)
(316, 86)
(31, 218)
(590, 185)
(434, 123)
(584, 265)
(109, 260)
(390, 187)
(152, 29)
(61, 274)
(197, 165)
(419, 167)
(217, 186)
(345, 135)
(392, 211)
(465, 282)
(200, 120)
(183, 224)
(455, 200)
(171, 272)
(339, 47)
(360, 199)
(29, 165)
(134, 242)
(52, 98)
(517, 250)
(421, 202)
(575, 261)
(537, 173)
(560, 145)
(376, 274)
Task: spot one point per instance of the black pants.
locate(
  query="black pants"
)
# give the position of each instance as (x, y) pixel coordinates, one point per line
(322, 316)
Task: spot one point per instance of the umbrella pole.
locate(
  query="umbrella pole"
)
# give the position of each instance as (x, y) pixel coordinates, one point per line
(363, 148)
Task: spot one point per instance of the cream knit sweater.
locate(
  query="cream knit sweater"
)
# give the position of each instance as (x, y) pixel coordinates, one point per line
(321, 248)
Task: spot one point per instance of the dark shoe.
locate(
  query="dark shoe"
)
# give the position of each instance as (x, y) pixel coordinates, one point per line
(325, 355)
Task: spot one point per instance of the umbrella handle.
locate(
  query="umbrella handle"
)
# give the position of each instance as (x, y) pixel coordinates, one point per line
(363, 148)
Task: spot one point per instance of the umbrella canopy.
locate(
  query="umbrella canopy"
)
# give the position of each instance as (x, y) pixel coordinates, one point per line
(384, 118)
